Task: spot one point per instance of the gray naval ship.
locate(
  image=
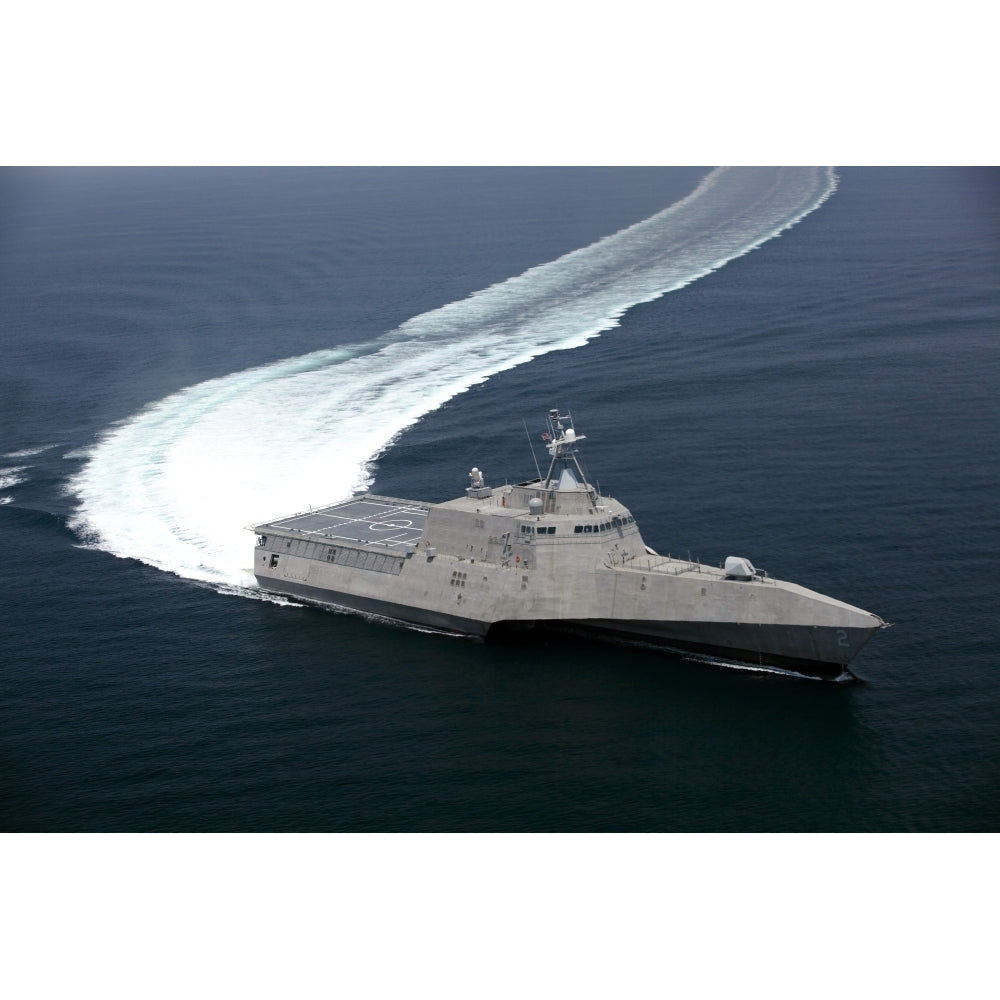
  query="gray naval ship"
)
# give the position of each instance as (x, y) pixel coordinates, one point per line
(550, 554)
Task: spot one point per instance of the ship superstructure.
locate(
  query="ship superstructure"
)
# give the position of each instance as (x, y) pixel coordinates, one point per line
(549, 554)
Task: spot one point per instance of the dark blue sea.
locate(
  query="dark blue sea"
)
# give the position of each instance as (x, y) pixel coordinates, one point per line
(798, 366)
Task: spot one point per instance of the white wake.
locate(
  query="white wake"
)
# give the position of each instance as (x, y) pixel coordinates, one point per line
(176, 484)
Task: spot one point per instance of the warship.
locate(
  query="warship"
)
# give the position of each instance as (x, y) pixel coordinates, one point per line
(550, 555)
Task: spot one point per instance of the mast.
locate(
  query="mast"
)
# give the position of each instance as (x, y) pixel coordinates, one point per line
(561, 442)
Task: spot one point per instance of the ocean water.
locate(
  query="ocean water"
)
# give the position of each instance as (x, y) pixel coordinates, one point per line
(798, 365)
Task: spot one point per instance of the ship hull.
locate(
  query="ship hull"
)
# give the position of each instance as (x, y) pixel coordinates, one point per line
(360, 604)
(797, 648)
(783, 647)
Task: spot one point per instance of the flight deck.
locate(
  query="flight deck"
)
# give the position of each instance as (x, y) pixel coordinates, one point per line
(369, 520)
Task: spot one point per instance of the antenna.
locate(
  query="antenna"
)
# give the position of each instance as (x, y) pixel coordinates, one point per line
(532, 447)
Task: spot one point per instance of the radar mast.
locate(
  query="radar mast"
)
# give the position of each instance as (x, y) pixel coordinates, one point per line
(561, 441)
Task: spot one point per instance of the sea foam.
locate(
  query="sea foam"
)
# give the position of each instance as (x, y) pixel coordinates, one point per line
(176, 484)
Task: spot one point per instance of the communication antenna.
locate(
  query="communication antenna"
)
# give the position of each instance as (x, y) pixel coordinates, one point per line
(532, 447)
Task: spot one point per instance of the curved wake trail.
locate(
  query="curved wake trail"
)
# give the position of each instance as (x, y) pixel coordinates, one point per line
(175, 485)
